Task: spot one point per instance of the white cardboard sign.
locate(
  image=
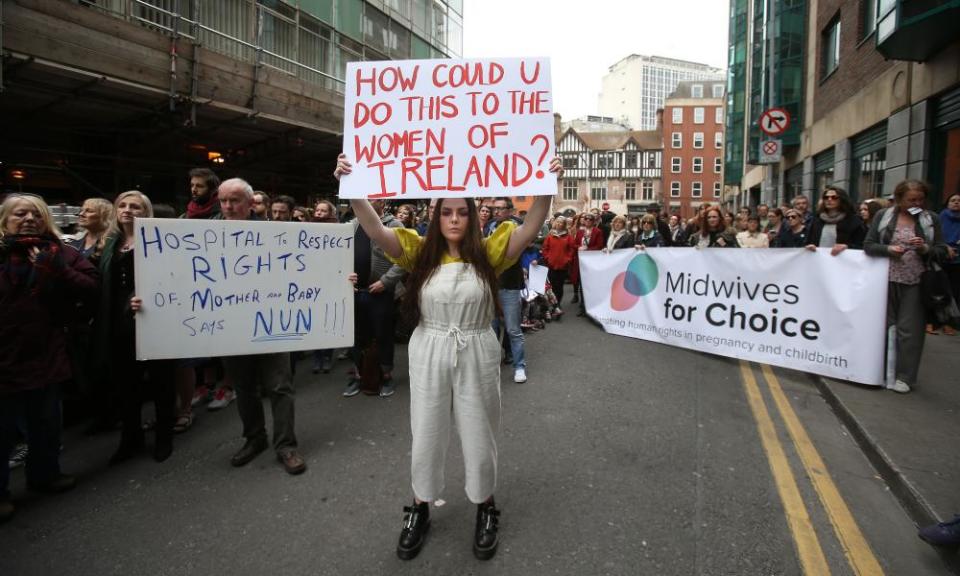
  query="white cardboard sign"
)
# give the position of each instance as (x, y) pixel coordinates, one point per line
(223, 288)
(448, 128)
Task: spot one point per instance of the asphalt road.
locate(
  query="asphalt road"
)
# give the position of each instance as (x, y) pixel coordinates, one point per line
(617, 457)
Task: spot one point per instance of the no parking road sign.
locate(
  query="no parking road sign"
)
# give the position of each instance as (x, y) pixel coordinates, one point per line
(770, 151)
(774, 121)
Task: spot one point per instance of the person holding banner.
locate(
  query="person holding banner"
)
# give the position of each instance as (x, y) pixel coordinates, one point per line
(454, 354)
(589, 237)
(911, 238)
(272, 371)
(712, 232)
(836, 225)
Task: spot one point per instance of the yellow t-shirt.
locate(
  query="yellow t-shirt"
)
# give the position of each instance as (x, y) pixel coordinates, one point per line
(494, 245)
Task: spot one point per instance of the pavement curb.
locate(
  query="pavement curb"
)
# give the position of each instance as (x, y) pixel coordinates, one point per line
(910, 498)
(913, 502)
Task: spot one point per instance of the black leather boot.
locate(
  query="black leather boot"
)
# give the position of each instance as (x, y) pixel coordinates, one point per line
(416, 523)
(486, 540)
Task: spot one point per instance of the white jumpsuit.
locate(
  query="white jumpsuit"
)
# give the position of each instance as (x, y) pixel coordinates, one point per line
(455, 373)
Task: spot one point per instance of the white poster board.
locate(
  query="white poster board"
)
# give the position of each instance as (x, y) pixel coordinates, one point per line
(537, 279)
(223, 288)
(795, 308)
(448, 128)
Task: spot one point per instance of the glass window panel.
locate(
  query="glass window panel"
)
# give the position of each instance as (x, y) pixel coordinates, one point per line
(350, 18)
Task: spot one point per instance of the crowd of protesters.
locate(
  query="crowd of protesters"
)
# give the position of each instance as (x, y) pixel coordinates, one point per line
(69, 303)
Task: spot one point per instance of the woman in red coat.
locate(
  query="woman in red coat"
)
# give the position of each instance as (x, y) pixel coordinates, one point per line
(41, 282)
(558, 250)
(589, 237)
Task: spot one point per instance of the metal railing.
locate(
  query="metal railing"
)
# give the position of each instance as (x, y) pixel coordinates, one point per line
(285, 39)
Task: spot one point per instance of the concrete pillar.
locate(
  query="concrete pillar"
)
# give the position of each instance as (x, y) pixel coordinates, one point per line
(808, 183)
(908, 145)
(842, 163)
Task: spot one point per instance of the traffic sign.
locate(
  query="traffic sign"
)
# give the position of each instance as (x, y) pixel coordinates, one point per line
(774, 121)
(771, 151)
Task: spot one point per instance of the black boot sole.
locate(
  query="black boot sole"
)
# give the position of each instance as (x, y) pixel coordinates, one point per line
(485, 553)
(411, 553)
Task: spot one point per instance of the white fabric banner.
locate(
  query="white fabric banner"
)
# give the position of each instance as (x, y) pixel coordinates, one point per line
(448, 128)
(804, 310)
(223, 288)
(537, 279)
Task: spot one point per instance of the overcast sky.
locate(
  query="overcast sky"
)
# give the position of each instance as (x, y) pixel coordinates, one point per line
(583, 38)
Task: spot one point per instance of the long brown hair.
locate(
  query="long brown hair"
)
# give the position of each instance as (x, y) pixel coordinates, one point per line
(431, 257)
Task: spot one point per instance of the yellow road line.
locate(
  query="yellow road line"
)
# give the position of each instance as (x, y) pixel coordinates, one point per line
(811, 555)
(855, 546)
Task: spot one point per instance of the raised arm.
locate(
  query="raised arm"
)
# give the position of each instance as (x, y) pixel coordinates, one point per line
(525, 233)
(368, 217)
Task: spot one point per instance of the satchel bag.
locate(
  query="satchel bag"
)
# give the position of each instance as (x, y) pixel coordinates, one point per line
(938, 297)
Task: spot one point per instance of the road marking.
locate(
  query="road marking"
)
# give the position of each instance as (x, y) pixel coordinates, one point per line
(809, 551)
(855, 546)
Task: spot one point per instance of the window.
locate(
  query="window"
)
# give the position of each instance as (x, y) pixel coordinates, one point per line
(698, 139)
(718, 115)
(630, 159)
(868, 18)
(718, 140)
(696, 91)
(830, 48)
(647, 190)
(651, 160)
(674, 189)
(571, 162)
(676, 164)
(605, 160)
(631, 191)
(698, 115)
(676, 140)
(696, 189)
(716, 189)
(678, 115)
(570, 190)
(718, 90)
(697, 164)
(717, 165)
(598, 192)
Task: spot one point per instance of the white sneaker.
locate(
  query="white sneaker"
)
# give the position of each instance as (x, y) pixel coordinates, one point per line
(900, 386)
(519, 375)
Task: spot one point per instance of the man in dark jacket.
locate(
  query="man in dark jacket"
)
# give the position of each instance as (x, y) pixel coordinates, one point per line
(511, 284)
(374, 310)
(272, 371)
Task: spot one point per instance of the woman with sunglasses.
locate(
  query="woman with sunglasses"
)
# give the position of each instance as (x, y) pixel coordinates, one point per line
(837, 225)
(794, 233)
(589, 237)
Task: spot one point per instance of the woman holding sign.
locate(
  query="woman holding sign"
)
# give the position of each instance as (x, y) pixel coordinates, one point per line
(454, 353)
(117, 339)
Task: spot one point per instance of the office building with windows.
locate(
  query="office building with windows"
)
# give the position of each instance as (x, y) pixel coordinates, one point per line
(872, 88)
(634, 88)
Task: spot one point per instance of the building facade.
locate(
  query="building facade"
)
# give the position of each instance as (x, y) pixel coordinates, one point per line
(635, 88)
(111, 95)
(693, 128)
(620, 168)
(872, 88)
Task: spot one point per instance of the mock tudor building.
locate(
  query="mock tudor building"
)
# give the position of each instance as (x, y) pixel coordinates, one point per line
(620, 168)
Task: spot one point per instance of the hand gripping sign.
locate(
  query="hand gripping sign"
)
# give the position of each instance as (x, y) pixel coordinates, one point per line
(448, 128)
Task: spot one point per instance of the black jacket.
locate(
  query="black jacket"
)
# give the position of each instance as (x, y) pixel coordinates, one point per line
(850, 231)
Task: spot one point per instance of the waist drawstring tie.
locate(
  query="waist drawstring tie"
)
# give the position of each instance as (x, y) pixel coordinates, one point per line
(461, 342)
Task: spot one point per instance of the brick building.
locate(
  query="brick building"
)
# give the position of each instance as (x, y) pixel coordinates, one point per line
(693, 146)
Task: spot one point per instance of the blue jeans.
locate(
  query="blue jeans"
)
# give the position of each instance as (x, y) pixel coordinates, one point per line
(40, 409)
(510, 301)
